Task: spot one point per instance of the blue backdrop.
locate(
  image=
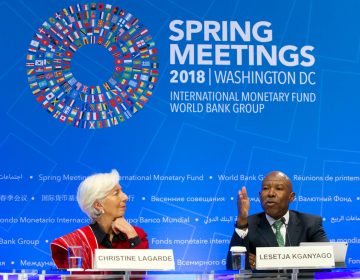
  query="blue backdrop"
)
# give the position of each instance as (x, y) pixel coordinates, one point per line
(218, 94)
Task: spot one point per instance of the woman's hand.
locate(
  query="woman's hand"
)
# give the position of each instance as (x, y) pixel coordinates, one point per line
(120, 224)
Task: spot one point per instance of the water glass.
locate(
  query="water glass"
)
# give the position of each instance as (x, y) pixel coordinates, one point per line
(238, 256)
(75, 257)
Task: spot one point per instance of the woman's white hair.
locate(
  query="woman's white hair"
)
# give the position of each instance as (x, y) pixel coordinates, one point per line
(95, 188)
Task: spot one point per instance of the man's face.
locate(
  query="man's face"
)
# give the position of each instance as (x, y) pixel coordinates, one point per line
(276, 194)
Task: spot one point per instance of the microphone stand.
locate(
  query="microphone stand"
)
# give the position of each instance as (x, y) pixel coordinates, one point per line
(295, 271)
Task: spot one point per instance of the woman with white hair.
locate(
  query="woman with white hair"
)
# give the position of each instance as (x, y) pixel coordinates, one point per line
(101, 198)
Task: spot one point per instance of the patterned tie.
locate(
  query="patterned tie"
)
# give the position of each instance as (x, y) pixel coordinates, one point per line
(280, 240)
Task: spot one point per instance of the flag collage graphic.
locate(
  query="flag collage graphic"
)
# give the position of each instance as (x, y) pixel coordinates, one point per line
(92, 106)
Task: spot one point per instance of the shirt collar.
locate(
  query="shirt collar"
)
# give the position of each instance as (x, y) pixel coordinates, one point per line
(271, 220)
(100, 235)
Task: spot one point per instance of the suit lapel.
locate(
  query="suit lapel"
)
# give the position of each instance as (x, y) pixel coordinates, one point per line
(293, 230)
(266, 232)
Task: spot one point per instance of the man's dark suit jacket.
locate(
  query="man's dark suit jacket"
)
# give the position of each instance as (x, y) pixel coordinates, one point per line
(301, 228)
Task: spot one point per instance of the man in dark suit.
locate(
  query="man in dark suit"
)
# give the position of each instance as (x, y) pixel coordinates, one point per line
(276, 226)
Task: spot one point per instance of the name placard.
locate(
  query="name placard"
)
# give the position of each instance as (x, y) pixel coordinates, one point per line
(134, 259)
(305, 257)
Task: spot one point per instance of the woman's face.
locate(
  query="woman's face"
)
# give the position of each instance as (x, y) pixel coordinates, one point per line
(114, 204)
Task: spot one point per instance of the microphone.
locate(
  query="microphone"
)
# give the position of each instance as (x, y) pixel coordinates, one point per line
(286, 227)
